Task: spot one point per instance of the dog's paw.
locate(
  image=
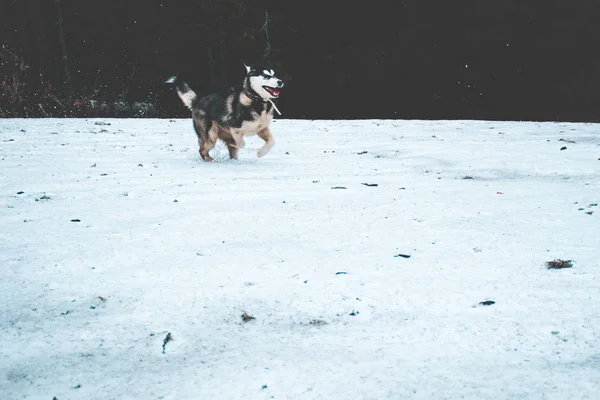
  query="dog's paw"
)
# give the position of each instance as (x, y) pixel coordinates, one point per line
(262, 152)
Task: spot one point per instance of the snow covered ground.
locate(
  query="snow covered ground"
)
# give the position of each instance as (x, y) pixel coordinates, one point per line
(114, 234)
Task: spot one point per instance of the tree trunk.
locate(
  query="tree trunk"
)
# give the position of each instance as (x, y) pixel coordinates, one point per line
(265, 28)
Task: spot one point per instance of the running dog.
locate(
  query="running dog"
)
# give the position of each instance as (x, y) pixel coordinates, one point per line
(229, 116)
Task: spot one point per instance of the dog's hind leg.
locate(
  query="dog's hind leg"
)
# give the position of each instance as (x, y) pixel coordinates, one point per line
(233, 150)
(205, 147)
(265, 135)
(209, 144)
(203, 131)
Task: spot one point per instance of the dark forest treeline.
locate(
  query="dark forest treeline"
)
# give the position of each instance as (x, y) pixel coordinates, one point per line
(436, 59)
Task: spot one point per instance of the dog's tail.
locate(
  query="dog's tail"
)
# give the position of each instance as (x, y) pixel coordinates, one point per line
(186, 94)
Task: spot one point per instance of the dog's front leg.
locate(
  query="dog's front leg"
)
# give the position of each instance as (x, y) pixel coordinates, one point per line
(238, 138)
(265, 135)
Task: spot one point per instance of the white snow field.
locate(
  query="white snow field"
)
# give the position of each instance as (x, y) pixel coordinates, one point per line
(115, 234)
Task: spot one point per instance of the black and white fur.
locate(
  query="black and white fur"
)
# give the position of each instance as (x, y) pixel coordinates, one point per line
(243, 110)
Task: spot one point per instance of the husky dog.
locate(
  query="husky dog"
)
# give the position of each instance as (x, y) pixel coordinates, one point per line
(243, 110)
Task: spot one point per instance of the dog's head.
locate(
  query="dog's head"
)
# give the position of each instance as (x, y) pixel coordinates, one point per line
(262, 81)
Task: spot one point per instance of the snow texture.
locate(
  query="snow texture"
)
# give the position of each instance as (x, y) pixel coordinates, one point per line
(131, 269)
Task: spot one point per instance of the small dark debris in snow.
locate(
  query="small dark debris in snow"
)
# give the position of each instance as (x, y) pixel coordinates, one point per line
(65, 313)
(580, 209)
(168, 339)
(264, 387)
(306, 281)
(559, 264)
(283, 202)
(23, 130)
(172, 120)
(140, 165)
(566, 140)
(92, 307)
(102, 298)
(93, 165)
(563, 148)
(468, 177)
(354, 313)
(487, 303)
(589, 212)
(402, 255)
(287, 152)
(402, 188)
(339, 187)
(20, 192)
(54, 398)
(370, 184)
(77, 387)
(101, 123)
(316, 181)
(247, 318)
(317, 322)
(175, 201)
(341, 273)
(594, 205)
(75, 220)
(10, 140)
(103, 174)
(499, 193)
(362, 152)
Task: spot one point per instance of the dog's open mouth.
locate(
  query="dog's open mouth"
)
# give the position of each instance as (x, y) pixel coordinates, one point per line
(272, 91)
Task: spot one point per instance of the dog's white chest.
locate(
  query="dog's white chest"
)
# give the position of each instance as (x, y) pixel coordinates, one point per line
(260, 122)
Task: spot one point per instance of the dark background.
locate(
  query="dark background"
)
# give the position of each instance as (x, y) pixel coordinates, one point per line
(432, 59)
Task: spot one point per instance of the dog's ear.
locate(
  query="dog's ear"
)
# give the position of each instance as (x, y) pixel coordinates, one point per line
(248, 68)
